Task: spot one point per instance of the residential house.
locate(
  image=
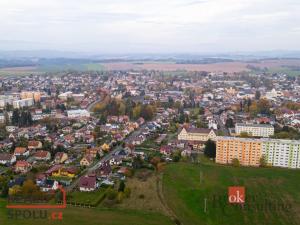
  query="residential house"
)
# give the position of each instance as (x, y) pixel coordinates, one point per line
(15, 184)
(21, 152)
(138, 140)
(60, 157)
(166, 150)
(22, 166)
(92, 152)
(61, 171)
(70, 139)
(49, 185)
(7, 159)
(105, 147)
(87, 183)
(40, 179)
(11, 129)
(141, 121)
(89, 138)
(42, 155)
(87, 160)
(33, 145)
(115, 160)
(186, 152)
(104, 171)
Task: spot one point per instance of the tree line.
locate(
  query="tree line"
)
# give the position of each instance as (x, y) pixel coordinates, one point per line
(21, 118)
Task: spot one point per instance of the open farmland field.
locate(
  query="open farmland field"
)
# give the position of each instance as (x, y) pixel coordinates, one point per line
(24, 70)
(27, 70)
(288, 66)
(229, 67)
(272, 194)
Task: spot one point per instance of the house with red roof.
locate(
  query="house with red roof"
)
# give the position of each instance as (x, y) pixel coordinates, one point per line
(42, 155)
(7, 159)
(21, 151)
(22, 166)
(70, 139)
(166, 150)
(33, 145)
(87, 183)
(60, 157)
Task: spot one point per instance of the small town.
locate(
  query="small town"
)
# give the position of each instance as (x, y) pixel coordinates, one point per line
(91, 132)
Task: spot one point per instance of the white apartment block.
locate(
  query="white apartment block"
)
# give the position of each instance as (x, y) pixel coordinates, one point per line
(281, 153)
(17, 104)
(256, 130)
(6, 100)
(78, 113)
(2, 118)
(276, 152)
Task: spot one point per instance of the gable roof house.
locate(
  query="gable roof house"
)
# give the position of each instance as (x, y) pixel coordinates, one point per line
(87, 160)
(87, 183)
(33, 145)
(196, 134)
(60, 171)
(7, 159)
(42, 155)
(60, 157)
(104, 171)
(166, 150)
(115, 160)
(92, 152)
(69, 139)
(49, 185)
(89, 138)
(40, 179)
(21, 151)
(22, 166)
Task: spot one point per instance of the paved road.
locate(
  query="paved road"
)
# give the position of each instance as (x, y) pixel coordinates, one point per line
(105, 158)
(90, 106)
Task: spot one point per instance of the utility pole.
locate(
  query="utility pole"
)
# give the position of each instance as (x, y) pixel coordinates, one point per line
(201, 177)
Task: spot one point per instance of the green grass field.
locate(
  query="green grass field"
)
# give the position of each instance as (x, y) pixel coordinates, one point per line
(89, 216)
(86, 197)
(284, 70)
(24, 71)
(78, 67)
(186, 186)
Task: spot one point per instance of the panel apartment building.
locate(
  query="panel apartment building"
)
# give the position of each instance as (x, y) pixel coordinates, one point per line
(249, 151)
(256, 130)
(246, 150)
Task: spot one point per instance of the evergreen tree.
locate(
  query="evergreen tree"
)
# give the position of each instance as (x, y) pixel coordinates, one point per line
(257, 95)
(121, 186)
(15, 117)
(210, 149)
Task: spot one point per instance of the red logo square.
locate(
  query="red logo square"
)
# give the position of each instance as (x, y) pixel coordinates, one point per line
(236, 195)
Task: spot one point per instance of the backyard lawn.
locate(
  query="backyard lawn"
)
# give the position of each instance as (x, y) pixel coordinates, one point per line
(91, 198)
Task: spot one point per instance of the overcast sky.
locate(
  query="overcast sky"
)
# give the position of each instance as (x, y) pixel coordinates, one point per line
(144, 26)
